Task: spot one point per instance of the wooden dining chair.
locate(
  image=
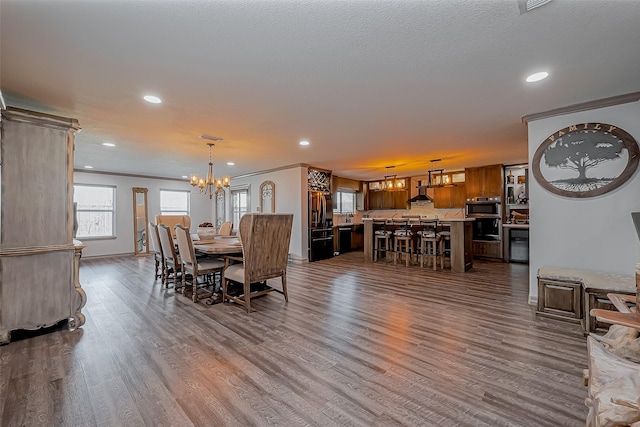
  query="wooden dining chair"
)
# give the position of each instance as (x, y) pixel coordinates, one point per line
(172, 264)
(225, 228)
(265, 242)
(206, 267)
(154, 238)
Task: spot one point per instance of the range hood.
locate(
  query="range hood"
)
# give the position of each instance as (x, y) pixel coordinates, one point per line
(422, 196)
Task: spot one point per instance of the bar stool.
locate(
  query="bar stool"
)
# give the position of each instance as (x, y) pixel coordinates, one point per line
(382, 238)
(402, 240)
(445, 236)
(430, 243)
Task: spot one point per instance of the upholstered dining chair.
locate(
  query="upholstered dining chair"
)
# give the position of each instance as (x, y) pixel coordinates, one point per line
(154, 238)
(265, 242)
(171, 220)
(172, 264)
(225, 228)
(197, 267)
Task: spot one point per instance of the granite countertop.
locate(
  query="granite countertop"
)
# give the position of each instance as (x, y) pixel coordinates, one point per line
(524, 226)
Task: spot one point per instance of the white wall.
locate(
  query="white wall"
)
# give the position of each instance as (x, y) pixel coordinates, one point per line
(594, 233)
(290, 197)
(201, 208)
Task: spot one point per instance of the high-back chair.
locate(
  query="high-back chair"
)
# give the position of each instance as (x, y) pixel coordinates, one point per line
(265, 242)
(172, 220)
(225, 229)
(197, 267)
(172, 262)
(157, 250)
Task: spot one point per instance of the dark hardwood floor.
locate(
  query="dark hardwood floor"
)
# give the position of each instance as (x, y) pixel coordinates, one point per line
(358, 344)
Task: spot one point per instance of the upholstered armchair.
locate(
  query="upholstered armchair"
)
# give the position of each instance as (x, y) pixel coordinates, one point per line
(265, 242)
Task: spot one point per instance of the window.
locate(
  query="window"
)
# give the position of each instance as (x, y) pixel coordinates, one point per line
(95, 210)
(239, 205)
(345, 202)
(174, 202)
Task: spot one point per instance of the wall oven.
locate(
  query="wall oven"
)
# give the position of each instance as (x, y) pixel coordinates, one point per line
(487, 212)
(484, 206)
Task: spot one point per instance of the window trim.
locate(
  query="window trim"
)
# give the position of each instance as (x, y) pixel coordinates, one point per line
(113, 211)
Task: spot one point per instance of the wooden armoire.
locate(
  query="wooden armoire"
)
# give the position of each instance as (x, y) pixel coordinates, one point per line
(39, 259)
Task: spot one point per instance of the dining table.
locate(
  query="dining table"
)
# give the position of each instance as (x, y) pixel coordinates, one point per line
(219, 245)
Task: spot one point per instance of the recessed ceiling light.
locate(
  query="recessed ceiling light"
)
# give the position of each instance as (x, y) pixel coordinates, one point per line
(185, 176)
(230, 164)
(152, 99)
(88, 167)
(108, 144)
(536, 77)
(304, 142)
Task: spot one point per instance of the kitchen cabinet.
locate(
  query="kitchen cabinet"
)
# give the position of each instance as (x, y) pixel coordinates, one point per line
(450, 197)
(487, 249)
(388, 199)
(485, 181)
(357, 237)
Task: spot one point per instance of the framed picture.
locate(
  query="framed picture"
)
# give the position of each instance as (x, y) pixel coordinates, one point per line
(585, 160)
(522, 179)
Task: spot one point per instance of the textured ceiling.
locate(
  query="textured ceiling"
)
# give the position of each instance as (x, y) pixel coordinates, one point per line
(368, 83)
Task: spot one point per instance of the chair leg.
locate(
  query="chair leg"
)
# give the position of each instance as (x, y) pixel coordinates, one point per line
(247, 296)
(224, 287)
(395, 252)
(434, 246)
(284, 287)
(194, 282)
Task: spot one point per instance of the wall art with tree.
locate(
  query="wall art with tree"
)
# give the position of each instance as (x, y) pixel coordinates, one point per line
(585, 160)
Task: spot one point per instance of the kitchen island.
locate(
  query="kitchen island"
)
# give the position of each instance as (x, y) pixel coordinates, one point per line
(461, 242)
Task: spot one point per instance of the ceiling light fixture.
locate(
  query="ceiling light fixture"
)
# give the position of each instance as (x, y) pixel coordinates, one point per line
(391, 181)
(536, 77)
(152, 99)
(230, 164)
(304, 142)
(209, 185)
(108, 144)
(88, 167)
(436, 176)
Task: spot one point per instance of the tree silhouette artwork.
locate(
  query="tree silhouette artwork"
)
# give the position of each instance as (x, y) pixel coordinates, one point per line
(598, 158)
(581, 151)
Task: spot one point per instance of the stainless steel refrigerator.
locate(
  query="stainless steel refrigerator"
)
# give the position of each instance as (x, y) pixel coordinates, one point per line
(320, 226)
